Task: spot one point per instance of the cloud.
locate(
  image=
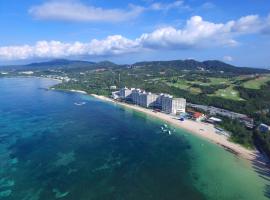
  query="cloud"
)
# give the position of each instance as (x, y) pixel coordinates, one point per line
(165, 7)
(77, 11)
(228, 58)
(197, 33)
(112, 45)
(266, 28)
(247, 24)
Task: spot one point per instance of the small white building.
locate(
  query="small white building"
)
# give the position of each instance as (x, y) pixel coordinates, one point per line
(214, 120)
(113, 87)
(27, 72)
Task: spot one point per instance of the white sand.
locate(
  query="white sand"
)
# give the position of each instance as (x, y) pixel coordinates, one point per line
(79, 91)
(205, 130)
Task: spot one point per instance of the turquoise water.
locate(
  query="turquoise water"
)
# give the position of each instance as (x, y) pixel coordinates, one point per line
(51, 148)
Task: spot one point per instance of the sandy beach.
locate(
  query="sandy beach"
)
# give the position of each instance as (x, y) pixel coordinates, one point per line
(79, 91)
(201, 129)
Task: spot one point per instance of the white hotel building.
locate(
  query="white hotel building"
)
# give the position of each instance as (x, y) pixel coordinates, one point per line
(165, 102)
(173, 105)
(125, 93)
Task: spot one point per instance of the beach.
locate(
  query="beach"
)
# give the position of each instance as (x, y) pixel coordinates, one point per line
(201, 129)
(79, 91)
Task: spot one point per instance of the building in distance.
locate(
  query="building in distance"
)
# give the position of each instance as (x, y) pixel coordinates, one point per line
(165, 102)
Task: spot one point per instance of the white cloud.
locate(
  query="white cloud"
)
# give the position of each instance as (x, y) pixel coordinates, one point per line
(76, 11)
(112, 45)
(266, 28)
(228, 58)
(169, 6)
(197, 33)
(247, 24)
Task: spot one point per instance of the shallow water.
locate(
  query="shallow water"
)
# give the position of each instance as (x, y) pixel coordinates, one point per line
(51, 148)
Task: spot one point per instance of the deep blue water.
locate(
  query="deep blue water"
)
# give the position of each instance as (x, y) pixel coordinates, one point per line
(51, 148)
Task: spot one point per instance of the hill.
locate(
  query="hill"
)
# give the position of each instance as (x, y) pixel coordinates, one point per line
(209, 65)
(61, 64)
(150, 66)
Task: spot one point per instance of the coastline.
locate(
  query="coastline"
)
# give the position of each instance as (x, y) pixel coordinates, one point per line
(201, 129)
(78, 91)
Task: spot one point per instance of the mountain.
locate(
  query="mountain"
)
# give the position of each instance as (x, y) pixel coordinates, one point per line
(61, 64)
(173, 65)
(58, 63)
(211, 65)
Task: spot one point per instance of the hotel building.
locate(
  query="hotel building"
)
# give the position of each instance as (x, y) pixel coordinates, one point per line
(173, 105)
(125, 93)
(165, 102)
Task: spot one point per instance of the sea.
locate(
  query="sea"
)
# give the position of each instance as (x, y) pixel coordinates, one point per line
(70, 146)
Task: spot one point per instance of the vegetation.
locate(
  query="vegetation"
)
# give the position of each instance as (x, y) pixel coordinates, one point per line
(262, 140)
(257, 82)
(228, 93)
(239, 134)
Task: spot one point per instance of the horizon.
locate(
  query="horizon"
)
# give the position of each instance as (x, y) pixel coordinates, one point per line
(134, 31)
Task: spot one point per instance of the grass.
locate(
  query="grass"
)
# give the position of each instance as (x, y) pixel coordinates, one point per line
(257, 82)
(181, 84)
(228, 93)
(187, 85)
(217, 81)
(213, 81)
(184, 85)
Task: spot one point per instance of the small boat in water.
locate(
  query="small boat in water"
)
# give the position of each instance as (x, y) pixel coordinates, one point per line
(80, 103)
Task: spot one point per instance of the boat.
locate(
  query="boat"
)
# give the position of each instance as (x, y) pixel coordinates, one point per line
(79, 104)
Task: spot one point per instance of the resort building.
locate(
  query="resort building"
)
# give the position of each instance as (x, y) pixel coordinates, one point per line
(165, 102)
(142, 98)
(148, 99)
(125, 93)
(178, 105)
(115, 95)
(135, 95)
(173, 105)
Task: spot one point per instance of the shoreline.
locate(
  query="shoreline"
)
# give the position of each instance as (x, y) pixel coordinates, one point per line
(204, 130)
(78, 91)
(38, 77)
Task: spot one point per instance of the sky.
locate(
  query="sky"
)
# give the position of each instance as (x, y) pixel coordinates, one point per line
(236, 32)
